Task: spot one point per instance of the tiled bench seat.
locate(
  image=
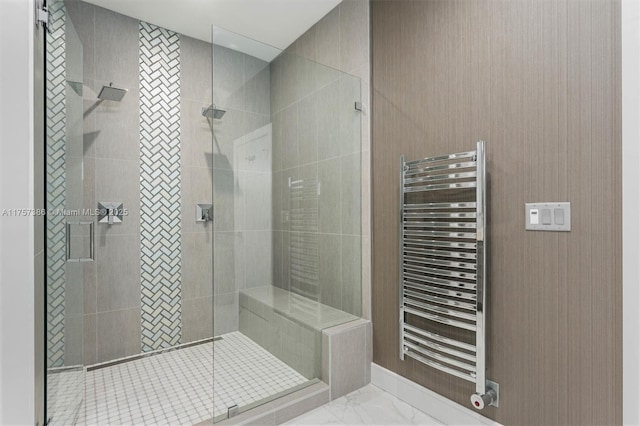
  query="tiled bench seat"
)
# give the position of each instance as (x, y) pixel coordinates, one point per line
(289, 326)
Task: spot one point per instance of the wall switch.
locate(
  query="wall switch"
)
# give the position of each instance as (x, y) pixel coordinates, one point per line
(558, 216)
(548, 216)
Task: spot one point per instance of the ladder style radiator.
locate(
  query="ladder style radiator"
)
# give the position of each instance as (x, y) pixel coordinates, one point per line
(443, 267)
(304, 275)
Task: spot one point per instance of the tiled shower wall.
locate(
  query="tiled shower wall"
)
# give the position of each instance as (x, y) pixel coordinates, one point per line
(241, 160)
(319, 135)
(160, 191)
(56, 149)
(111, 163)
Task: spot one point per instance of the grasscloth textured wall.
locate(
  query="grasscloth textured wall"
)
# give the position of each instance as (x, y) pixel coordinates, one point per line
(540, 82)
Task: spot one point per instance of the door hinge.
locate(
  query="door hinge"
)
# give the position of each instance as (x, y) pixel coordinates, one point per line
(43, 18)
(233, 411)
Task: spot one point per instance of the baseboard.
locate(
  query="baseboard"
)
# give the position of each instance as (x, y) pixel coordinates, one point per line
(437, 406)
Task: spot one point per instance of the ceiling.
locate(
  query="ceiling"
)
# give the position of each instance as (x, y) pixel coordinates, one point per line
(260, 28)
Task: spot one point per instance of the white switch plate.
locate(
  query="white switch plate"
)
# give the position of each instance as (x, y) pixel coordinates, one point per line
(560, 216)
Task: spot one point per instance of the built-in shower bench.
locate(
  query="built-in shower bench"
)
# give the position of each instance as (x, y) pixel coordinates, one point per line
(294, 307)
(316, 340)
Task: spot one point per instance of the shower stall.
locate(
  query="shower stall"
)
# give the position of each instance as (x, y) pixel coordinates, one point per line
(203, 219)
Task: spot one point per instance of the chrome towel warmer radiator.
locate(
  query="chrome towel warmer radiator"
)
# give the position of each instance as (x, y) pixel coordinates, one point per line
(443, 267)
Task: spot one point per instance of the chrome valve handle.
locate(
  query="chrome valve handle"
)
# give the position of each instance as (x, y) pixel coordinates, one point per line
(480, 401)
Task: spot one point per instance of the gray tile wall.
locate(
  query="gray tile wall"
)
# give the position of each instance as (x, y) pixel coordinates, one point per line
(197, 188)
(241, 161)
(111, 167)
(112, 173)
(244, 87)
(318, 133)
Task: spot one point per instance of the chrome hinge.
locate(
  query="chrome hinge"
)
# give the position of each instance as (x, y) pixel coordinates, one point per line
(43, 18)
(233, 411)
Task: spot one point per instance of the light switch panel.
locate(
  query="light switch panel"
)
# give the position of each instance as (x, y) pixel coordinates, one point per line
(547, 216)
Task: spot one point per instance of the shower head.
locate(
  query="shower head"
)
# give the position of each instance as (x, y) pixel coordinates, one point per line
(212, 112)
(110, 93)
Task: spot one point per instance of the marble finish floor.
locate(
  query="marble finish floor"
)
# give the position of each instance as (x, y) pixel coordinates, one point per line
(369, 405)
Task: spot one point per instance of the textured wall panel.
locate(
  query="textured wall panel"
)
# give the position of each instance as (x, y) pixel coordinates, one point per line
(160, 182)
(539, 81)
(56, 183)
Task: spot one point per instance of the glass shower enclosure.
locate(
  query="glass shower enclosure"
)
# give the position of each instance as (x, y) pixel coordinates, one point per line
(68, 231)
(287, 236)
(203, 219)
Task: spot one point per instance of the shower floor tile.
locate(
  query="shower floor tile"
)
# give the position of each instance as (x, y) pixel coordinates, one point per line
(179, 387)
(246, 373)
(64, 396)
(171, 388)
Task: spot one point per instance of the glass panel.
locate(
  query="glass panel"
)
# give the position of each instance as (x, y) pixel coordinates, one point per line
(66, 238)
(129, 156)
(287, 234)
(129, 148)
(272, 142)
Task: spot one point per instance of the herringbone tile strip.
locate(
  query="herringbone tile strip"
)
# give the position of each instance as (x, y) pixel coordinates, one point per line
(160, 206)
(56, 84)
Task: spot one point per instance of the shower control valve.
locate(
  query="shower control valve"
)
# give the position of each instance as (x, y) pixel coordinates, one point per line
(204, 213)
(110, 212)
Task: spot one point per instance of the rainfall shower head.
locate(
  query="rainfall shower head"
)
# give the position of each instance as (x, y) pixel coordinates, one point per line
(110, 93)
(213, 112)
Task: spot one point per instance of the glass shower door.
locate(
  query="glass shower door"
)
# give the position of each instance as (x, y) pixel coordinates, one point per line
(69, 236)
(287, 234)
